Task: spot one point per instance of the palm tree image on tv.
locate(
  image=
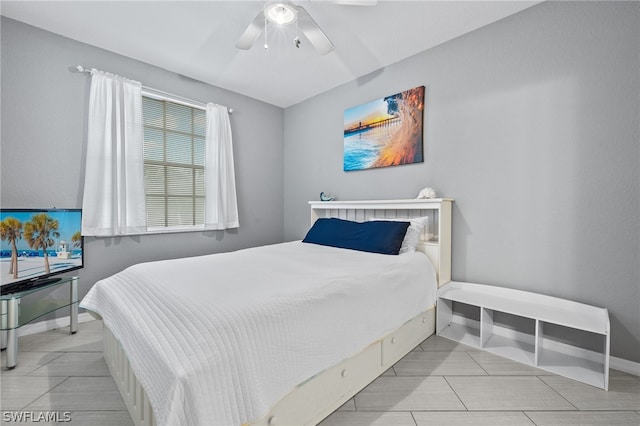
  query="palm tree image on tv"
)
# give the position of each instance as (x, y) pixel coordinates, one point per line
(11, 231)
(40, 232)
(76, 239)
(29, 235)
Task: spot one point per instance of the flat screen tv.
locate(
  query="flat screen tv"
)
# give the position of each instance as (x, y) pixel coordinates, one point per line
(38, 244)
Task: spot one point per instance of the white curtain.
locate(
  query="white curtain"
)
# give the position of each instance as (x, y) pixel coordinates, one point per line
(114, 200)
(221, 206)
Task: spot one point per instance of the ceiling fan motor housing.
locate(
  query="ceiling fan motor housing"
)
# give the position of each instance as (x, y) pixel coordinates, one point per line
(281, 13)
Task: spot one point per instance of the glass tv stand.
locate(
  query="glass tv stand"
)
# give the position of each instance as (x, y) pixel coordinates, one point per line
(14, 314)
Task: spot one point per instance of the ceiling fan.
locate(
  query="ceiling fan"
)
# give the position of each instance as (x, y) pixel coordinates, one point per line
(287, 13)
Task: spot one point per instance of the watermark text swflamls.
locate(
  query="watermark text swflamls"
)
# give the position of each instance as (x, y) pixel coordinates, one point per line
(36, 416)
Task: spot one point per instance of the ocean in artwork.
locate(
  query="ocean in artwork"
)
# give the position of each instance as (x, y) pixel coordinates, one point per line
(362, 149)
(384, 132)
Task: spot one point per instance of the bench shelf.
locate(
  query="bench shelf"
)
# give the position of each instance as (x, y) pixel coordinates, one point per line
(466, 312)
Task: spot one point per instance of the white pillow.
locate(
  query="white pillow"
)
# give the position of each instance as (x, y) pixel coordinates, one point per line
(412, 237)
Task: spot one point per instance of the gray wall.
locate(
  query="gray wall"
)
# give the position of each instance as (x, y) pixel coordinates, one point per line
(43, 128)
(532, 126)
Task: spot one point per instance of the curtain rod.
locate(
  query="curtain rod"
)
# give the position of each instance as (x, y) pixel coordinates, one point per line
(158, 93)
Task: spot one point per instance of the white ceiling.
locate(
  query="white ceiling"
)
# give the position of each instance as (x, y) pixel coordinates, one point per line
(197, 38)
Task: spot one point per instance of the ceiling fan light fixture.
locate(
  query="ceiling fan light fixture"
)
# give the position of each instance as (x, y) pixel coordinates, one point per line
(280, 13)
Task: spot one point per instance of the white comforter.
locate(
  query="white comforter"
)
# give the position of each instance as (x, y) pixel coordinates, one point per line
(218, 339)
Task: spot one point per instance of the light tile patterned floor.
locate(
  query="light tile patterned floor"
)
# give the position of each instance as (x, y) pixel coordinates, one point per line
(440, 383)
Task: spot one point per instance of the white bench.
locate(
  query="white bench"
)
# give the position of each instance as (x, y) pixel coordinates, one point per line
(530, 345)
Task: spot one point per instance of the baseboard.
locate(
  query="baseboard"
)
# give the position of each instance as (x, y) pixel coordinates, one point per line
(615, 363)
(52, 324)
(624, 365)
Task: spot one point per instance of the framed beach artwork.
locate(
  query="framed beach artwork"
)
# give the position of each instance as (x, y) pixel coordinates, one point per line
(385, 132)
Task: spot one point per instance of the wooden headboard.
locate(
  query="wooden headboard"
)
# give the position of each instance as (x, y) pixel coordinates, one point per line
(436, 238)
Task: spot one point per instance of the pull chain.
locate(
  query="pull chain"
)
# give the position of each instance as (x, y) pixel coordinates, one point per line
(266, 46)
(296, 41)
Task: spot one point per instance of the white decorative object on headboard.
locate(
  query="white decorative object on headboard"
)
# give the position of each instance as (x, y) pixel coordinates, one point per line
(427, 193)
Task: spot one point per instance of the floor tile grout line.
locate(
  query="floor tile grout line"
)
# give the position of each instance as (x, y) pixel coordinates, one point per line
(102, 410)
(456, 393)
(477, 363)
(413, 417)
(558, 393)
(43, 394)
(528, 417)
(30, 374)
(473, 375)
(495, 410)
(522, 376)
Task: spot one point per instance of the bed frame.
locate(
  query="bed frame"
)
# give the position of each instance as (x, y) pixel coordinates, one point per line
(313, 400)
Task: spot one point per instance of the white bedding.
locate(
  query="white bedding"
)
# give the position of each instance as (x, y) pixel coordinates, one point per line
(219, 339)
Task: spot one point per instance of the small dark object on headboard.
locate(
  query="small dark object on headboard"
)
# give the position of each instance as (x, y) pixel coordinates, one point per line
(325, 197)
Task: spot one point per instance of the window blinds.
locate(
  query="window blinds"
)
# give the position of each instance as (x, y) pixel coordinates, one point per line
(174, 161)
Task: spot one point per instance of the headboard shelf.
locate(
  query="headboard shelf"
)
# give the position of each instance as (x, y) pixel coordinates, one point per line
(410, 203)
(436, 238)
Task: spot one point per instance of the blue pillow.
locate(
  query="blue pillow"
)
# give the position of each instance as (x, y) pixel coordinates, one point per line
(382, 237)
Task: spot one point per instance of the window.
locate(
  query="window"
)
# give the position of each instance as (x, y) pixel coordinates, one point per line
(174, 160)
(146, 160)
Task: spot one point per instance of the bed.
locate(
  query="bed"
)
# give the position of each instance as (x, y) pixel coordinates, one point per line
(286, 340)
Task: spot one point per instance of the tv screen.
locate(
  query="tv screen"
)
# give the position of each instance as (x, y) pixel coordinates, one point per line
(38, 244)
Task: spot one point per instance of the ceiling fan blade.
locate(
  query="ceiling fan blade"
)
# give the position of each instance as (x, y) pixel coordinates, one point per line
(250, 35)
(312, 31)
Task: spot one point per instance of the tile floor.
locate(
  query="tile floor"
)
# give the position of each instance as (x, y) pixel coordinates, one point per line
(439, 383)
